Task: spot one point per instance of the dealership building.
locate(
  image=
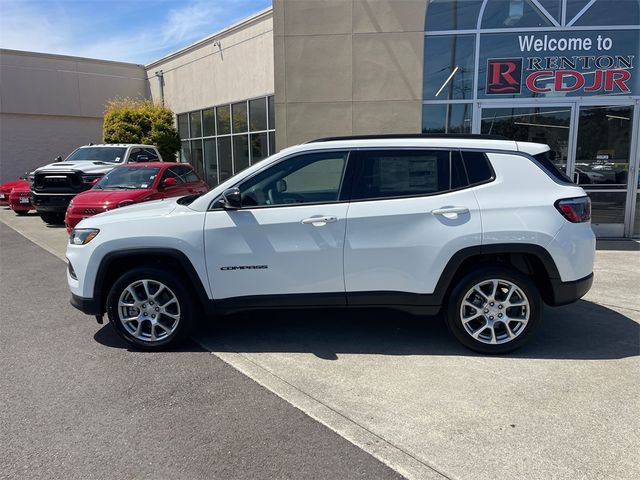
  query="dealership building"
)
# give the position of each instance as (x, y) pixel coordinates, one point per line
(561, 72)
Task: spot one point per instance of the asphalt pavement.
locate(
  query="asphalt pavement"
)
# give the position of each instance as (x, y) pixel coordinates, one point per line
(399, 387)
(76, 403)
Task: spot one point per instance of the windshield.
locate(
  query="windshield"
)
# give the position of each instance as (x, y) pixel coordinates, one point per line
(98, 154)
(128, 178)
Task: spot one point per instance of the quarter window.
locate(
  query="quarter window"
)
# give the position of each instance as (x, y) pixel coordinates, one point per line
(308, 178)
(407, 173)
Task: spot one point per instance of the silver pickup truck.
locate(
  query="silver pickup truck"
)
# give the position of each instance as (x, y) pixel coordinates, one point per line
(54, 185)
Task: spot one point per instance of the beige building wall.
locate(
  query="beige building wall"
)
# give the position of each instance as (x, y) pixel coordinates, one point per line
(50, 104)
(347, 67)
(233, 64)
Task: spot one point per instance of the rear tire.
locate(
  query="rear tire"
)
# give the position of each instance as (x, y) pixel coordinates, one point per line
(52, 218)
(21, 212)
(494, 310)
(151, 309)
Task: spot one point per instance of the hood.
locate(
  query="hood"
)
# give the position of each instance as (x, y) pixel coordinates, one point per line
(83, 166)
(14, 184)
(108, 198)
(132, 213)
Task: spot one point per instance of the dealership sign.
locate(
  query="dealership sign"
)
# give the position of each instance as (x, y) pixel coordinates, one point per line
(552, 64)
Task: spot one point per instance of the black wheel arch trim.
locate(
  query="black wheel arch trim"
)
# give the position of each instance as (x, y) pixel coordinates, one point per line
(99, 295)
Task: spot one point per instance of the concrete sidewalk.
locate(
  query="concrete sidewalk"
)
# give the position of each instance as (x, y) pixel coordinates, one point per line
(401, 388)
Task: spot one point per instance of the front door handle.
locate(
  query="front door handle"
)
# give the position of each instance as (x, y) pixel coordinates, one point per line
(450, 211)
(319, 220)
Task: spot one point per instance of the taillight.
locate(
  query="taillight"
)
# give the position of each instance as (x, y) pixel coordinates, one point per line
(576, 210)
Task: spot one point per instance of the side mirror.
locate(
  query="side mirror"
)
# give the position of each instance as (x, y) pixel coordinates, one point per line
(58, 159)
(169, 182)
(231, 199)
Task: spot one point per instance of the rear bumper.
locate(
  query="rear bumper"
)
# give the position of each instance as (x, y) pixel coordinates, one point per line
(569, 292)
(86, 305)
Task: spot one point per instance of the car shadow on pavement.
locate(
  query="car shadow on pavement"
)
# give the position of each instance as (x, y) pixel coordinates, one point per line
(583, 330)
(109, 338)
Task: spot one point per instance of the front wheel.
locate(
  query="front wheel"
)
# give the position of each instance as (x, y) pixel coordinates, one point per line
(52, 218)
(150, 309)
(494, 310)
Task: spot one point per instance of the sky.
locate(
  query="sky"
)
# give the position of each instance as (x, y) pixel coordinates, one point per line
(137, 31)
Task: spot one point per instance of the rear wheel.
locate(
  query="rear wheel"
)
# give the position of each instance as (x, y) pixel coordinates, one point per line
(494, 310)
(52, 218)
(21, 212)
(150, 308)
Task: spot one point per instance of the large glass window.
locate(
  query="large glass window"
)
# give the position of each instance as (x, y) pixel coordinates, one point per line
(513, 14)
(239, 112)
(448, 67)
(211, 161)
(447, 118)
(603, 148)
(452, 14)
(223, 140)
(549, 125)
(196, 124)
(605, 12)
(208, 122)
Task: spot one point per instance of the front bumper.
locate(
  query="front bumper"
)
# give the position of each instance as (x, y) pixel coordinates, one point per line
(51, 203)
(86, 305)
(569, 292)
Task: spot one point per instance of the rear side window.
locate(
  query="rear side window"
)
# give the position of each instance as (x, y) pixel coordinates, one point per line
(477, 167)
(407, 173)
(545, 161)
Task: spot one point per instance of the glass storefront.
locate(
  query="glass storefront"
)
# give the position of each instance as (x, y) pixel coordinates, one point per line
(223, 140)
(560, 72)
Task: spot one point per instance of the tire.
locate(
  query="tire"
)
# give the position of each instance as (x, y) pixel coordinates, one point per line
(52, 218)
(485, 308)
(172, 308)
(21, 212)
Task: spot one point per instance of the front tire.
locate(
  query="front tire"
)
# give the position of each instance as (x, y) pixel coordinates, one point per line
(494, 310)
(150, 309)
(52, 218)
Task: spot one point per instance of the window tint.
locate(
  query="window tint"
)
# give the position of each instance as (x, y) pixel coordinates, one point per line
(406, 173)
(477, 167)
(171, 173)
(544, 159)
(308, 178)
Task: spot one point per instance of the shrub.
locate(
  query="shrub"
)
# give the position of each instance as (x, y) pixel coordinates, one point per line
(141, 121)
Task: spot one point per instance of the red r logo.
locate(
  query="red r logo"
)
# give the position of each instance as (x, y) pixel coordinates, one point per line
(504, 76)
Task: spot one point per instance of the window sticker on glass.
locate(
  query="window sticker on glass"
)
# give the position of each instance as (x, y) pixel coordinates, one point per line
(117, 159)
(144, 185)
(419, 175)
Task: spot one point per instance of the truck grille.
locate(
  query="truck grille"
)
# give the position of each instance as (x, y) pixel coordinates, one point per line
(58, 182)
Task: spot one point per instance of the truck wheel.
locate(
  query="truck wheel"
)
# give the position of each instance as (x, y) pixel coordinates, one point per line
(150, 308)
(52, 218)
(494, 310)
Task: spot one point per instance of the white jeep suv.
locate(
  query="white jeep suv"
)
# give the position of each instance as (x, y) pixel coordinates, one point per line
(486, 229)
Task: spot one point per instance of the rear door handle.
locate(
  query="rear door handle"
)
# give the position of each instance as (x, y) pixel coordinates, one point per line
(450, 211)
(319, 220)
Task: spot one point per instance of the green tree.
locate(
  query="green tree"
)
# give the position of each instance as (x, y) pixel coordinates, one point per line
(141, 121)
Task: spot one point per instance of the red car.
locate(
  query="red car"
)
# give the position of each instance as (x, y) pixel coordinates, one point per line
(6, 187)
(134, 183)
(19, 199)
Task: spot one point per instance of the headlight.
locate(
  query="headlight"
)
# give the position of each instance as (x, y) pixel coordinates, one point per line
(82, 236)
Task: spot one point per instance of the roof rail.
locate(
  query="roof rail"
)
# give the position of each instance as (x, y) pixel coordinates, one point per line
(411, 135)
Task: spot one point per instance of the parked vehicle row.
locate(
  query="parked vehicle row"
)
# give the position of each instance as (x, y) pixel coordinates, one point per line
(98, 178)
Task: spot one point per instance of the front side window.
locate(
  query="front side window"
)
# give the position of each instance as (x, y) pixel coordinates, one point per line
(407, 173)
(307, 178)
